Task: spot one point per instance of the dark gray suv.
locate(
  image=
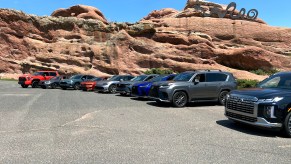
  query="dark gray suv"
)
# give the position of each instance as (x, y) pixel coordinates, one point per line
(194, 86)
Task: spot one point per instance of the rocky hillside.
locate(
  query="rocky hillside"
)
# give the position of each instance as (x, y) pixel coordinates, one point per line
(80, 40)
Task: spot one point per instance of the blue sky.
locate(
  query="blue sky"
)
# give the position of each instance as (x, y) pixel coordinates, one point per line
(275, 13)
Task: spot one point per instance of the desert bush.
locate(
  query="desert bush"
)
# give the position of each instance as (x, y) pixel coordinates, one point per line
(243, 83)
(159, 71)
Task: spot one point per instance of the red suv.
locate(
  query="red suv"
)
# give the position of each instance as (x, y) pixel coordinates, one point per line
(33, 80)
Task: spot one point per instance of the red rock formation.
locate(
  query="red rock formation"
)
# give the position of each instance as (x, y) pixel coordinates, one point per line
(163, 39)
(80, 11)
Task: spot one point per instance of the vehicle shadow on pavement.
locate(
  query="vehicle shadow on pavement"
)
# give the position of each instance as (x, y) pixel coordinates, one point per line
(169, 105)
(139, 99)
(244, 128)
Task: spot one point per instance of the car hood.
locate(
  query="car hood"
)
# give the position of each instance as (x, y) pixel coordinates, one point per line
(67, 80)
(26, 75)
(106, 81)
(263, 93)
(164, 83)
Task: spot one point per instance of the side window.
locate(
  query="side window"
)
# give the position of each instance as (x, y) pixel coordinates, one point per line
(45, 74)
(128, 78)
(52, 74)
(215, 77)
(90, 77)
(200, 78)
(149, 78)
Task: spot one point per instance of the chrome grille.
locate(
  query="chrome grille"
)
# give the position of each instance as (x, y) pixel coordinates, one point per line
(241, 104)
(154, 92)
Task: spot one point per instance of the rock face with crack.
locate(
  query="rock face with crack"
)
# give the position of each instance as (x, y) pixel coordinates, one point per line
(80, 40)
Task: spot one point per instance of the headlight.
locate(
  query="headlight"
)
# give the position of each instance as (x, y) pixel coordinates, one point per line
(47, 82)
(276, 99)
(166, 86)
(227, 97)
(71, 81)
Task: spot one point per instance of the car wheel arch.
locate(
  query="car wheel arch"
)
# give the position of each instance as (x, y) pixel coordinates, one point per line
(181, 90)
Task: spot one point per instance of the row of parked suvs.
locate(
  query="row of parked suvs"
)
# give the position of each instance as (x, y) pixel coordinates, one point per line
(268, 105)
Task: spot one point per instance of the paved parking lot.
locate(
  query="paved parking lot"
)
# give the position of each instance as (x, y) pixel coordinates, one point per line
(56, 126)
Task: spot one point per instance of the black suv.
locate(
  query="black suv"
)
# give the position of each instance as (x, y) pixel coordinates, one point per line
(268, 105)
(194, 86)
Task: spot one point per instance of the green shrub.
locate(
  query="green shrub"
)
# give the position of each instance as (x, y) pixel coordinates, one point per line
(159, 71)
(265, 72)
(242, 83)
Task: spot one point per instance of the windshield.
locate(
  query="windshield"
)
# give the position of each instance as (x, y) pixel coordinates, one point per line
(158, 78)
(76, 77)
(96, 79)
(139, 78)
(116, 78)
(183, 77)
(277, 81)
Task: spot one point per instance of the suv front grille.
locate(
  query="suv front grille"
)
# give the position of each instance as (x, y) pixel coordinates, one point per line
(245, 105)
(21, 79)
(241, 117)
(154, 92)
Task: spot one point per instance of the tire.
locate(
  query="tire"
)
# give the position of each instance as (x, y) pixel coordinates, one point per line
(287, 125)
(43, 87)
(34, 84)
(24, 86)
(77, 86)
(180, 99)
(112, 89)
(53, 85)
(221, 97)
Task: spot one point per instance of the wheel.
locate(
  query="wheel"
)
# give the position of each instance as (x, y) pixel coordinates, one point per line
(34, 84)
(64, 88)
(77, 86)
(180, 99)
(53, 85)
(221, 97)
(287, 125)
(24, 86)
(112, 89)
(43, 87)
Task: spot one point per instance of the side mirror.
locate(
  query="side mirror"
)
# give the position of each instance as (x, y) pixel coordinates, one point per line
(196, 81)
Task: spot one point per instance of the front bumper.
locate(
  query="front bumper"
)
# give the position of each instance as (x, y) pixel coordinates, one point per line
(255, 121)
(24, 82)
(67, 85)
(161, 94)
(103, 88)
(123, 90)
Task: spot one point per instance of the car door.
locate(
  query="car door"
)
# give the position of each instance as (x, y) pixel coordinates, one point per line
(198, 89)
(214, 81)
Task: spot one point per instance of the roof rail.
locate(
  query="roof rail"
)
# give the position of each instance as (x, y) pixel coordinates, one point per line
(209, 70)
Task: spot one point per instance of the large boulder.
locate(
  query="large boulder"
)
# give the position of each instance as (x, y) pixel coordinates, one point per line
(81, 11)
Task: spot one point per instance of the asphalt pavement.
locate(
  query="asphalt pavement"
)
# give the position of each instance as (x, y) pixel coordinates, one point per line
(57, 126)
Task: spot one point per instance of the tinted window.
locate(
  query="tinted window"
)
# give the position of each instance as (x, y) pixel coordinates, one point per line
(170, 78)
(150, 77)
(76, 77)
(90, 77)
(53, 74)
(184, 76)
(215, 77)
(200, 77)
(139, 78)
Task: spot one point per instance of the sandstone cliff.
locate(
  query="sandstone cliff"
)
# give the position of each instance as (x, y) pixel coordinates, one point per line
(80, 40)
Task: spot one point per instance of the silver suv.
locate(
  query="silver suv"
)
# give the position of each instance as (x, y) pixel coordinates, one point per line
(194, 86)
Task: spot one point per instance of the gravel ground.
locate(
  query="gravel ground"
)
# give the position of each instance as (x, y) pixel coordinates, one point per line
(56, 126)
